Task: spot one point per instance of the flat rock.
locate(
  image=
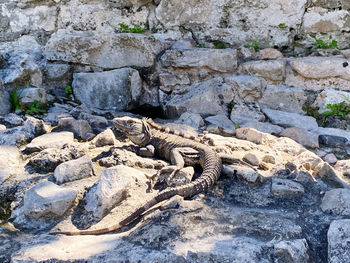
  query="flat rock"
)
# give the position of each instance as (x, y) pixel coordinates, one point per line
(117, 89)
(338, 241)
(333, 141)
(221, 121)
(243, 113)
(289, 119)
(104, 138)
(273, 70)
(336, 202)
(286, 187)
(248, 88)
(292, 251)
(251, 135)
(252, 159)
(192, 119)
(110, 189)
(220, 60)
(49, 140)
(330, 136)
(47, 200)
(330, 158)
(302, 136)
(12, 120)
(265, 127)
(269, 53)
(244, 174)
(57, 71)
(73, 170)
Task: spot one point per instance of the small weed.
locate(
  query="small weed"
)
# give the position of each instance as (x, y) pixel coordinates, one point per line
(328, 44)
(236, 125)
(136, 29)
(219, 46)
(201, 46)
(254, 45)
(36, 108)
(282, 25)
(231, 105)
(15, 99)
(68, 90)
(339, 109)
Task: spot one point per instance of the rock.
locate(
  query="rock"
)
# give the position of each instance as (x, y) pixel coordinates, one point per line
(12, 120)
(265, 127)
(73, 170)
(192, 119)
(269, 53)
(169, 82)
(97, 123)
(248, 88)
(47, 200)
(304, 137)
(29, 95)
(48, 159)
(336, 202)
(10, 162)
(273, 70)
(118, 89)
(316, 20)
(288, 119)
(243, 113)
(148, 151)
(2, 127)
(5, 105)
(221, 121)
(104, 138)
(105, 50)
(330, 158)
(182, 177)
(80, 128)
(220, 60)
(56, 71)
(22, 134)
(338, 245)
(284, 98)
(332, 140)
(286, 187)
(321, 67)
(251, 135)
(330, 96)
(343, 166)
(292, 251)
(182, 44)
(326, 172)
(244, 174)
(332, 136)
(49, 140)
(110, 189)
(202, 98)
(252, 159)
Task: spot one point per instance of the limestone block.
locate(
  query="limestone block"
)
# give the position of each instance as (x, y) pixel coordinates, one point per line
(273, 70)
(336, 202)
(330, 96)
(29, 95)
(221, 121)
(302, 136)
(338, 241)
(286, 187)
(192, 119)
(80, 128)
(319, 20)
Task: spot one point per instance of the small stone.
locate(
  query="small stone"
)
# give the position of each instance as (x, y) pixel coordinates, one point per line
(244, 174)
(338, 241)
(104, 138)
(2, 127)
(304, 137)
(326, 172)
(274, 70)
(251, 135)
(330, 158)
(286, 187)
(182, 177)
(336, 202)
(73, 170)
(147, 151)
(57, 71)
(80, 128)
(47, 200)
(292, 251)
(269, 159)
(221, 121)
(243, 113)
(251, 159)
(12, 120)
(264, 127)
(332, 140)
(192, 119)
(29, 95)
(269, 53)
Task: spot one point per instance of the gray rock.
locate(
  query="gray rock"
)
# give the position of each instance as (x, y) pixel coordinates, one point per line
(10, 162)
(304, 137)
(29, 95)
(333, 132)
(12, 120)
(220, 60)
(221, 121)
(251, 158)
(104, 138)
(57, 71)
(288, 119)
(286, 187)
(192, 119)
(182, 44)
(49, 140)
(47, 200)
(244, 174)
(22, 134)
(73, 170)
(169, 82)
(274, 70)
(118, 89)
(5, 105)
(291, 251)
(269, 53)
(243, 113)
(97, 123)
(265, 127)
(330, 96)
(182, 177)
(332, 140)
(284, 98)
(343, 167)
(48, 159)
(336, 202)
(326, 172)
(251, 135)
(338, 245)
(110, 189)
(80, 128)
(330, 158)
(248, 88)
(104, 50)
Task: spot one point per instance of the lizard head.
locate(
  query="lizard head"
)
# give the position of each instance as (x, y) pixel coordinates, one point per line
(138, 131)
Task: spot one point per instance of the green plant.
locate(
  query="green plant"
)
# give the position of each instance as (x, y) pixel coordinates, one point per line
(328, 44)
(15, 99)
(282, 25)
(219, 46)
(339, 109)
(136, 29)
(254, 45)
(68, 90)
(201, 46)
(36, 107)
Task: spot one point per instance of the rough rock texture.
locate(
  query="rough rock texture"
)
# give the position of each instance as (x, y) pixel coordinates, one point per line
(338, 245)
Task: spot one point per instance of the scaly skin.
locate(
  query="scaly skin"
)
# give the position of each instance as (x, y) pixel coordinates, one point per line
(168, 146)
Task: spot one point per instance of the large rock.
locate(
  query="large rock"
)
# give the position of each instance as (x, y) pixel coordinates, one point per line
(118, 89)
(47, 200)
(337, 202)
(108, 51)
(220, 60)
(330, 96)
(302, 136)
(292, 251)
(29, 95)
(273, 70)
(248, 88)
(10, 162)
(80, 128)
(242, 113)
(338, 241)
(49, 140)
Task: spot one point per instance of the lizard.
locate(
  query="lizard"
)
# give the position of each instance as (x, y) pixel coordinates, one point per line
(172, 146)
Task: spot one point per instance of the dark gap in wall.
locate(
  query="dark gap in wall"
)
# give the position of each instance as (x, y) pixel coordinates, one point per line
(150, 112)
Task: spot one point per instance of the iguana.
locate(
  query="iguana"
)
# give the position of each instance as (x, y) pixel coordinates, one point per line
(172, 146)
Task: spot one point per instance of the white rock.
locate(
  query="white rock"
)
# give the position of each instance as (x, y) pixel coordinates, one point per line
(29, 95)
(10, 162)
(243, 113)
(73, 170)
(104, 138)
(302, 136)
(265, 127)
(292, 251)
(252, 159)
(337, 202)
(330, 96)
(251, 135)
(47, 200)
(244, 174)
(338, 241)
(49, 140)
(330, 158)
(274, 70)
